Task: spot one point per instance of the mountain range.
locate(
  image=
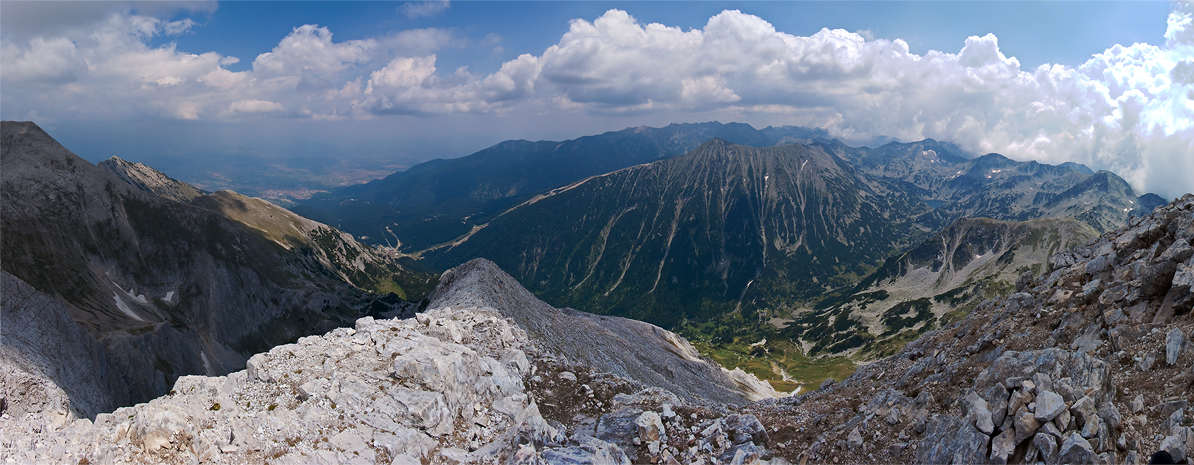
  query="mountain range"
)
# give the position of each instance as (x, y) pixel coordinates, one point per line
(777, 235)
(805, 244)
(441, 199)
(730, 227)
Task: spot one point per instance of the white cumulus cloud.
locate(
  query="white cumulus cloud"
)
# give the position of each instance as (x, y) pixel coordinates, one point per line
(1129, 109)
(424, 8)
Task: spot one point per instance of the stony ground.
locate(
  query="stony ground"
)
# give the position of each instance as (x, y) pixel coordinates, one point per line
(1089, 363)
(449, 386)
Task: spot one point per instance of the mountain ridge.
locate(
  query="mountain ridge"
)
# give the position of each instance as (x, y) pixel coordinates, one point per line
(441, 199)
(718, 179)
(167, 288)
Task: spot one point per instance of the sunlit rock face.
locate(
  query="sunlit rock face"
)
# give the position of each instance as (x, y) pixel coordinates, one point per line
(458, 383)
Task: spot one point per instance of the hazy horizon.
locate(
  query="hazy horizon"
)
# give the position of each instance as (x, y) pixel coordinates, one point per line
(381, 86)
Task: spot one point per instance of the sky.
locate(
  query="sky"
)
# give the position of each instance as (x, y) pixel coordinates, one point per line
(1106, 84)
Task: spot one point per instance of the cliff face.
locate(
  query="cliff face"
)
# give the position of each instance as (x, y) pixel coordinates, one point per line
(167, 288)
(150, 180)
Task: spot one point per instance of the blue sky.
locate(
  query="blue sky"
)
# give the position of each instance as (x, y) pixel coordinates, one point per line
(1034, 32)
(1108, 84)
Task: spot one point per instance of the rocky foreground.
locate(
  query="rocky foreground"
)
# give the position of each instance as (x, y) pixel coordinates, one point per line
(460, 383)
(1089, 363)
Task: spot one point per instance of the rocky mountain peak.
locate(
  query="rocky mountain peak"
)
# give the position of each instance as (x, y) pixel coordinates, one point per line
(150, 180)
(628, 348)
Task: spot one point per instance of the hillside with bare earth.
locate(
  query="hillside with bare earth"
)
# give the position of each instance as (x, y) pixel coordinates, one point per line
(1089, 361)
(165, 288)
(933, 284)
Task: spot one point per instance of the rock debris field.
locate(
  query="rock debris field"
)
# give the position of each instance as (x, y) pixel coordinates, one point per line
(449, 386)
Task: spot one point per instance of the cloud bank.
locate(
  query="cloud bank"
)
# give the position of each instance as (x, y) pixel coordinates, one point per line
(1129, 109)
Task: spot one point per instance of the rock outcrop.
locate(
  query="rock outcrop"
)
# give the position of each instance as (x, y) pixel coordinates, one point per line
(150, 180)
(628, 348)
(459, 383)
(1087, 363)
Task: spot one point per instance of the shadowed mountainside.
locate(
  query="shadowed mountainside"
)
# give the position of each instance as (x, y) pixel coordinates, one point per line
(170, 288)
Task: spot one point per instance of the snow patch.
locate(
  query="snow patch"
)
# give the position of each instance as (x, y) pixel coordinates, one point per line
(125, 308)
(169, 296)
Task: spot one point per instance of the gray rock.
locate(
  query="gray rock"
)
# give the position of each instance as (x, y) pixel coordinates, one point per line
(1137, 404)
(1113, 317)
(1076, 449)
(976, 411)
(890, 405)
(1175, 421)
(854, 440)
(1098, 265)
(1176, 446)
(743, 454)
(1003, 446)
(618, 427)
(1109, 413)
(1091, 290)
(1063, 420)
(1091, 428)
(1175, 343)
(650, 426)
(588, 451)
(1048, 406)
(1026, 425)
(1051, 429)
(1047, 447)
(950, 439)
(1017, 400)
(1042, 381)
(666, 412)
(747, 428)
(996, 397)
(1083, 410)
(1168, 408)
